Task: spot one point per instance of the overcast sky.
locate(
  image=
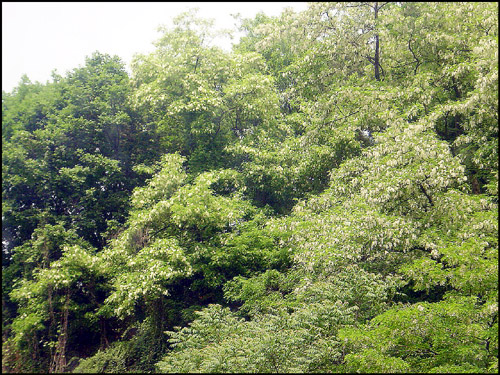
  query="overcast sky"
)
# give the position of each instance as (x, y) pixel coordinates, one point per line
(40, 37)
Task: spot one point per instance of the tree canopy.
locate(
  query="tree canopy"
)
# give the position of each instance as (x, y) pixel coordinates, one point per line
(321, 198)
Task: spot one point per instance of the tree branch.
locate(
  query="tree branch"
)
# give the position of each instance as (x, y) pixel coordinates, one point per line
(414, 56)
(384, 4)
(341, 118)
(422, 189)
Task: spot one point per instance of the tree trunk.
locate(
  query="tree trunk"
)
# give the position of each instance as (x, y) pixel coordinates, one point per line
(377, 47)
(104, 336)
(59, 360)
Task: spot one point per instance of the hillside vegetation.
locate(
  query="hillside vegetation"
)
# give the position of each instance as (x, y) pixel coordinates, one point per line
(322, 198)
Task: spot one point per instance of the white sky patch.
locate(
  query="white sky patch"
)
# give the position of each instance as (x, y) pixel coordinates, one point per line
(40, 37)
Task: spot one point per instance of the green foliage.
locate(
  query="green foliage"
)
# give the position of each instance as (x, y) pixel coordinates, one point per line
(463, 245)
(203, 98)
(45, 303)
(218, 341)
(130, 355)
(164, 262)
(164, 183)
(174, 231)
(261, 294)
(77, 166)
(323, 198)
(454, 332)
(112, 360)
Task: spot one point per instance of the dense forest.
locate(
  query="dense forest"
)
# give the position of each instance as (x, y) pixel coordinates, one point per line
(321, 198)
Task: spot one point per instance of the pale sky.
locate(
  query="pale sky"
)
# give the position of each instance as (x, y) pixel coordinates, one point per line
(40, 37)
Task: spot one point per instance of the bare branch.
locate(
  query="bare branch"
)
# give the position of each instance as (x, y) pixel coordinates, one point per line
(341, 118)
(422, 189)
(387, 2)
(414, 56)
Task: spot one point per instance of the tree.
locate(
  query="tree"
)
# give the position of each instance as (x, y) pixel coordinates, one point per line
(187, 236)
(54, 298)
(207, 98)
(321, 199)
(60, 173)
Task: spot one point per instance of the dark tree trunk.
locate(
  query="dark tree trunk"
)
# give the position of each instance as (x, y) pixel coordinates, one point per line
(377, 47)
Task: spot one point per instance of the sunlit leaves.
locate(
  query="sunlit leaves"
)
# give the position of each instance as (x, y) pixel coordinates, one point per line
(147, 275)
(220, 342)
(374, 246)
(174, 231)
(163, 184)
(463, 245)
(451, 332)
